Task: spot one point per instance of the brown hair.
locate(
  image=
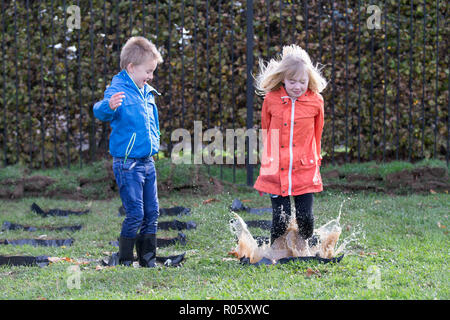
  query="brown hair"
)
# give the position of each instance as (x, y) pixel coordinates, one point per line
(136, 50)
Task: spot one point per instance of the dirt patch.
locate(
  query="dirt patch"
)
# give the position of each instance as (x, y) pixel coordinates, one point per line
(418, 180)
(193, 180)
(200, 184)
(17, 188)
(104, 186)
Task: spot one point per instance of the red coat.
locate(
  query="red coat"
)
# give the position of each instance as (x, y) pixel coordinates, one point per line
(291, 158)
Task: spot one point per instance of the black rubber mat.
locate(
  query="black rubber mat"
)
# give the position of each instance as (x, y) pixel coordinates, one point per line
(40, 261)
(262, 224)
(237, 206)
(55, 212)
(174, 211)
(176, 225)
(15, 226)
(38, 242)
(163, 242)
(170, 261)
(265, 261)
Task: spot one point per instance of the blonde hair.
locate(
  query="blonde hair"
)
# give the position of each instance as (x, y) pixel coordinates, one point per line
(289, 64)
(136, 50)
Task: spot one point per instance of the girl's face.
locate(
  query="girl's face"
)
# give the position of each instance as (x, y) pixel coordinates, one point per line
(142, 73)
(297, 84)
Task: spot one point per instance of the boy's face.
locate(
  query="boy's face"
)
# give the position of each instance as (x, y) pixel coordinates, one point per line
(142, 73)
(297, 85)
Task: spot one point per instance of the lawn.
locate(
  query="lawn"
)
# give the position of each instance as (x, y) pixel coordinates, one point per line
(401, 251)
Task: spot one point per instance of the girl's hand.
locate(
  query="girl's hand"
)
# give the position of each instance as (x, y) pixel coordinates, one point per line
(116, 100)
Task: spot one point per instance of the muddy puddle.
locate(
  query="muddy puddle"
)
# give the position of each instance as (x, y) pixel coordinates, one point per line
(327, 242)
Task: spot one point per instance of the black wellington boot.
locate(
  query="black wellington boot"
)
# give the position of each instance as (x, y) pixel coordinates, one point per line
(126, 246)
(146, 250)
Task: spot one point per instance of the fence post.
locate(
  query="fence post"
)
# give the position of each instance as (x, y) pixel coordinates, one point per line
(249, 87)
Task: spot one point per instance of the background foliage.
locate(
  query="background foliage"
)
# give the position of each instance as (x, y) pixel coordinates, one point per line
(52, 76)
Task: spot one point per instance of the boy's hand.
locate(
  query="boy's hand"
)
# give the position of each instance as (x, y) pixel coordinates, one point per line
(116, 100)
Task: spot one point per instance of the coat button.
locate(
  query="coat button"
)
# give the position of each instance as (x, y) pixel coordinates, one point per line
(282, 191)
(282, 169)
(311, 161)
(282, 146)
(285, 124)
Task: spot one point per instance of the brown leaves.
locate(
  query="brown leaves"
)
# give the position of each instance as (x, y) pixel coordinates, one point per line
(310, 272)
(233, 253)
(362, 253)
(441, 226)
(67, 259)
(210, 200)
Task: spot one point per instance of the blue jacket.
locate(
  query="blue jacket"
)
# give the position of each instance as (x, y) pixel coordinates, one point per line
(135, 125)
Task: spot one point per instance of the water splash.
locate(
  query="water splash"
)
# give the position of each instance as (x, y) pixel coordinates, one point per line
(291, 244)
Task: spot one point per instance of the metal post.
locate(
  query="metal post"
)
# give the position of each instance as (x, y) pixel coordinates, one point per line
(249, 87)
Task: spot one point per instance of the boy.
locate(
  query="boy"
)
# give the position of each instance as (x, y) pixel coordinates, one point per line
(129, 105)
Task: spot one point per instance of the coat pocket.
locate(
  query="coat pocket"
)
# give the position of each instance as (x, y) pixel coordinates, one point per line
(306, 162)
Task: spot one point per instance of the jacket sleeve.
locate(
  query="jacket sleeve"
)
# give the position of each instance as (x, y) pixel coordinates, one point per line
(318, 129)
(102, 111)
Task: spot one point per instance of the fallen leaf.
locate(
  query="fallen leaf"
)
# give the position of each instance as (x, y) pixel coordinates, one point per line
(233, 253)
(228, 259)
(310, 272)
(57, 259)
(247, 200)
(441, 225)
(362, 253)
(210, 200)
(348, 227)
(432, 191)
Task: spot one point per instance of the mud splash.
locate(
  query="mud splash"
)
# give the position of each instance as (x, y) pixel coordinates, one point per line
(290, 244)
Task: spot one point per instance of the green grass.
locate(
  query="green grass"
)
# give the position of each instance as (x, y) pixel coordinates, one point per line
(400, 237)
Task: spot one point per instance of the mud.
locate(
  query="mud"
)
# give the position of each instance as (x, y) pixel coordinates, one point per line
(419, 180)
(290, 244)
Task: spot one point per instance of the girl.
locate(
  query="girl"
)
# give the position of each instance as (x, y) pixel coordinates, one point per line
(292, 117)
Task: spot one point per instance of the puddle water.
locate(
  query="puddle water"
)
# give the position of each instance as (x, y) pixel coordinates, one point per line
(291, 244)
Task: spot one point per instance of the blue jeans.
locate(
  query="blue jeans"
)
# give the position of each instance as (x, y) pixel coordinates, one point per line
(136, 179)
